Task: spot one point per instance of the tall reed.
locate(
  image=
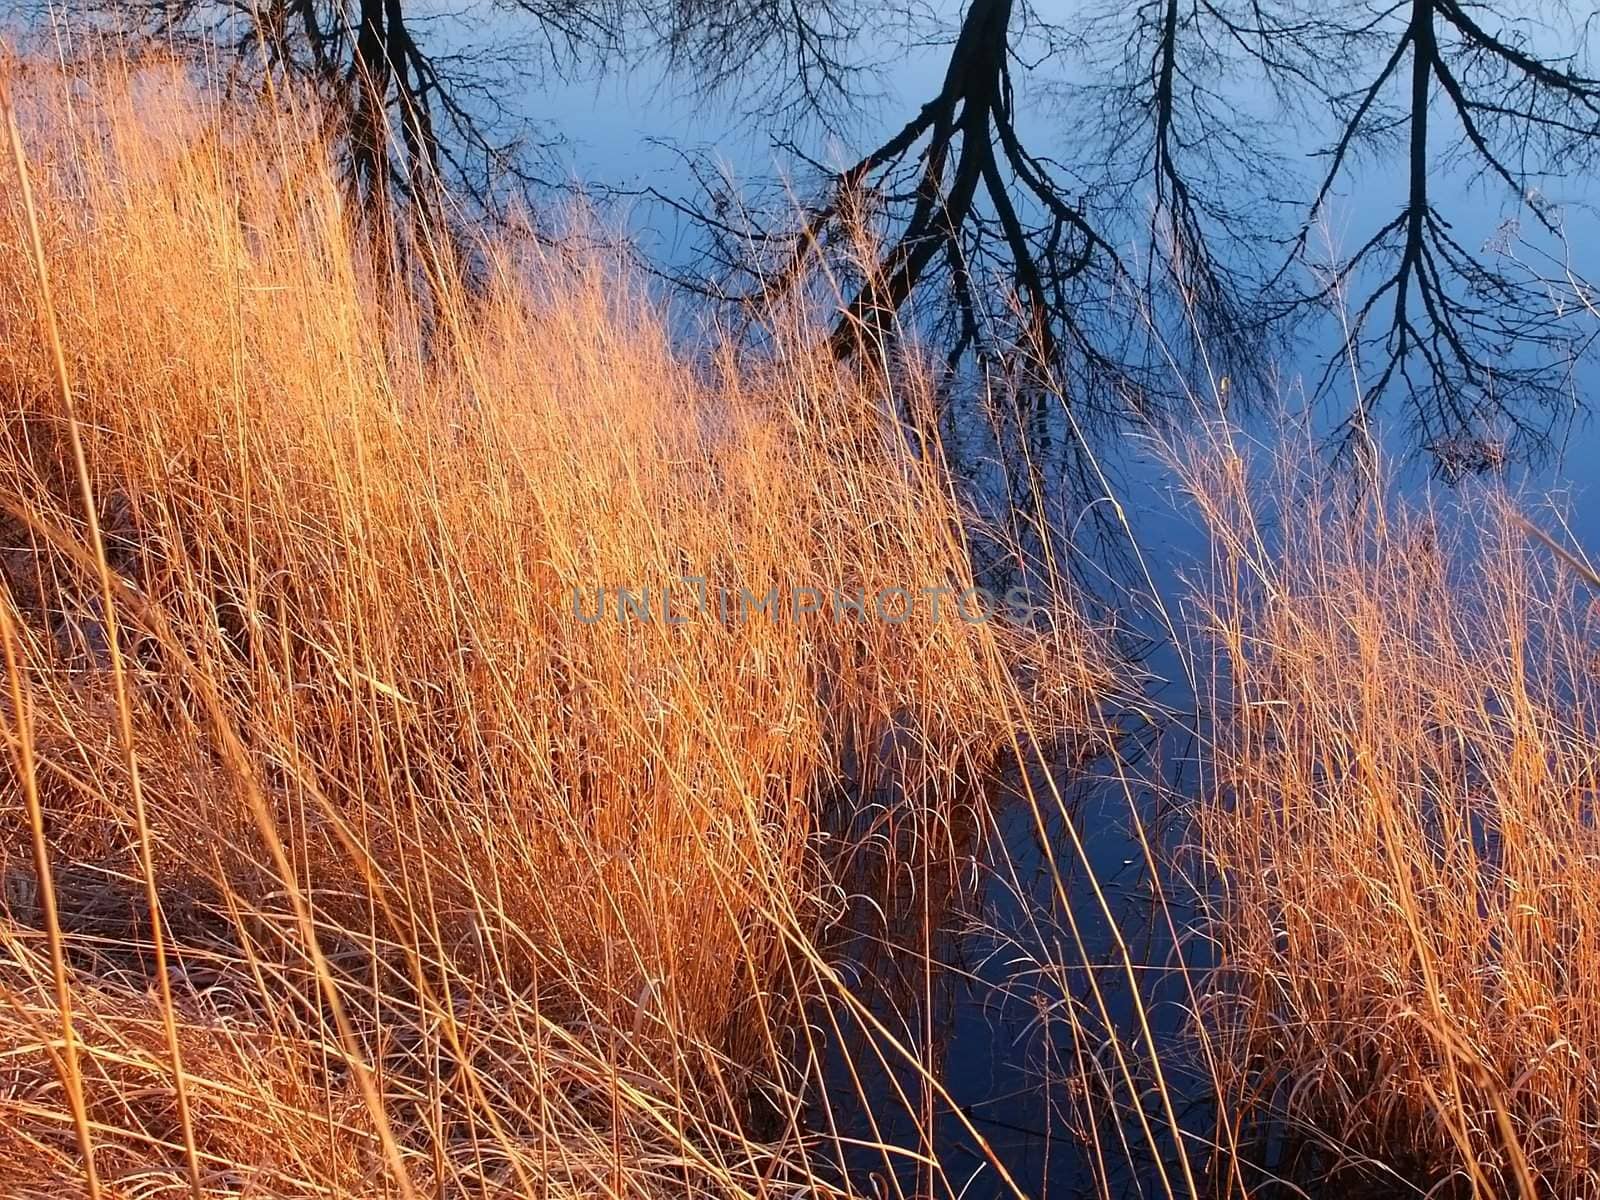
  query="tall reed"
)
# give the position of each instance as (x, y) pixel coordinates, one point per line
(453, 890)
(1400, 852)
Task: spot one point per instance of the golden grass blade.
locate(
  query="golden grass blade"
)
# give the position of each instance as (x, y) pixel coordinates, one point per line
(70, 1069)
(113, 643)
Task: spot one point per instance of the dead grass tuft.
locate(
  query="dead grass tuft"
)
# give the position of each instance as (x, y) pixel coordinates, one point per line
(1402, 854)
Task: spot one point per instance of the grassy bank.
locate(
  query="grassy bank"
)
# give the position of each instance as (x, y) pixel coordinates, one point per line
(453, 726)
(455, 892)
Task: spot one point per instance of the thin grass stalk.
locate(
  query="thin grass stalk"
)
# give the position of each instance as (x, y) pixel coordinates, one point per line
(113, 641)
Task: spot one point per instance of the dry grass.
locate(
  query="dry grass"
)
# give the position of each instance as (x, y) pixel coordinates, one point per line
(342, 858)
(1400, 837)
(457, 894)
